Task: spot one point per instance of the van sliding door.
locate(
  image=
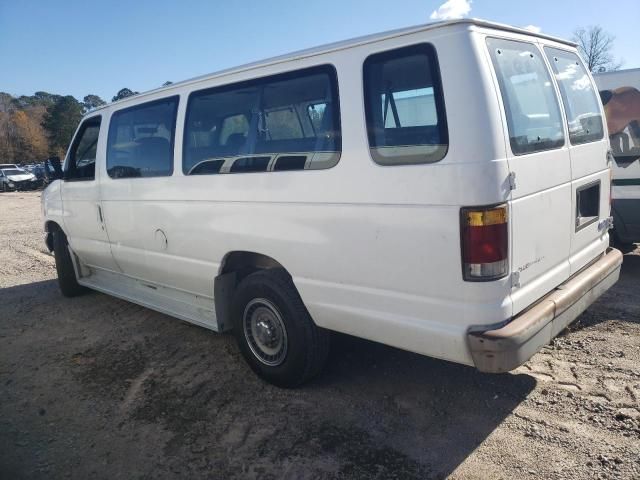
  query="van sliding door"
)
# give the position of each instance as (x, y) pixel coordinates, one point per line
(139, 162)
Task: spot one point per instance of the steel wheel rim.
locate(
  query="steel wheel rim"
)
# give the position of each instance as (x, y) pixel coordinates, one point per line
(265, 332)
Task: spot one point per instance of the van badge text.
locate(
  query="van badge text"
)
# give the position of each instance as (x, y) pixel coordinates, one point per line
(528, 264)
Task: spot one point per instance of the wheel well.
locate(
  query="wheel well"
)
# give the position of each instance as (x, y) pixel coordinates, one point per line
(234, 267)
(50, 227)
(237, 261)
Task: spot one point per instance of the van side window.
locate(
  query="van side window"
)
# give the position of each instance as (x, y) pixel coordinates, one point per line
(315, 111)
(82, 156)
(579, 97)
(248, 126)
(530, 102)
(233, 125)
(141, 140)
(404, 106)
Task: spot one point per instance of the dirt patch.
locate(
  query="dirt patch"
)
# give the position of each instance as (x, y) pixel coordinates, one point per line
(110, 370)
(95, 387)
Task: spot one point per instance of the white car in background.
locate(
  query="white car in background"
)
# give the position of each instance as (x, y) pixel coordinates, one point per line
(17, 179)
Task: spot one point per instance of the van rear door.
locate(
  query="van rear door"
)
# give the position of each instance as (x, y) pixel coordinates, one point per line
(588, 151)
(540, 165)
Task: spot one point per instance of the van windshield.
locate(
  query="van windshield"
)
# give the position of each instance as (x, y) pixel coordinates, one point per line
(530, 102)
(578, 95)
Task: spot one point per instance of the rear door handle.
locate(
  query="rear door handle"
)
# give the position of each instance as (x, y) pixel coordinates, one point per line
(100, 218)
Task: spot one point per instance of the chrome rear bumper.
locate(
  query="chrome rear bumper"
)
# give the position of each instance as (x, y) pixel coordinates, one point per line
(509, 346)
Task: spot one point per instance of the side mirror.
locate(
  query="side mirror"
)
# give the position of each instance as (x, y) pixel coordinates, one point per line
(57, 167)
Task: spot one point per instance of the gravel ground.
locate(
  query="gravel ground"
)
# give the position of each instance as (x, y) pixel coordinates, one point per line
(95, 387)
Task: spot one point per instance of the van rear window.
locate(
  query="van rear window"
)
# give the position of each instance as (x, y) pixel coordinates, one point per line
(580, 101)
(404, 106)
(251, 126)
(530, 102)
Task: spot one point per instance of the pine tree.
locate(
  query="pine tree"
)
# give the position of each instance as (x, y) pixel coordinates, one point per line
(60, 121)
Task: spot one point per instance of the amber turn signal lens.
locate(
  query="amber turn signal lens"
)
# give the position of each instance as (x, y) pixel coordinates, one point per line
(485, 243)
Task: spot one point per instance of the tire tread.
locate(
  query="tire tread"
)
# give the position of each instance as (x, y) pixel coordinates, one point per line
(67, 280)
(316, 338)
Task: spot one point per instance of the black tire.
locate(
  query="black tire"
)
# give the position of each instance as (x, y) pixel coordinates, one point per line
(306, 345)
(67, 281)
(621, 244)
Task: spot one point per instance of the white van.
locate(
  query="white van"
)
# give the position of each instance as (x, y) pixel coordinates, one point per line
(439, 189)
(620, 93)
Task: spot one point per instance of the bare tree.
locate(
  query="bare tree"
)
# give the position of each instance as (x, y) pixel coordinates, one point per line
(596, 47)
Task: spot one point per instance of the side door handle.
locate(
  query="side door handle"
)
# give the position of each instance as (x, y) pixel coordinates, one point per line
(100, 217)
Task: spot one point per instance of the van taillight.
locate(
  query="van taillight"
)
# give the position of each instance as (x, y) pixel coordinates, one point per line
(485, 243)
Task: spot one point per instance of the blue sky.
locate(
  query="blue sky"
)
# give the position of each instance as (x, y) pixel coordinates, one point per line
(80, 47)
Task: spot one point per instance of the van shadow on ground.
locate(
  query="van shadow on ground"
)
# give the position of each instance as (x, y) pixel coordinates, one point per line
(98, 384)
(435, 411)
(111, 372)
(375, 412)
(620, 303)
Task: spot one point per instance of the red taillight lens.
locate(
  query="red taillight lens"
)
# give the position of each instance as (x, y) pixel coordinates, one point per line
(485, 243)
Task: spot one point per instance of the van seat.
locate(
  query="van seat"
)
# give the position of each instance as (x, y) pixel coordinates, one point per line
(235, 142)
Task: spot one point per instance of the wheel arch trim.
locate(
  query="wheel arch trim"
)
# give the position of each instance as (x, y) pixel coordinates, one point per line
(236, 265)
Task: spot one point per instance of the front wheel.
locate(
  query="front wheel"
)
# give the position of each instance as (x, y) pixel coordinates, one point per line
(274, 330)
(67, 280)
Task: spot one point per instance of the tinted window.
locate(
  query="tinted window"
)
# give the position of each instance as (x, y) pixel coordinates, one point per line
(283, 123)
(290, 162)
(315, 111)
(237, 125)
(243, 127)
(530, 102)
(404, 106)
(82, 156)
(250, 164)
(141, 140)
(579, 97)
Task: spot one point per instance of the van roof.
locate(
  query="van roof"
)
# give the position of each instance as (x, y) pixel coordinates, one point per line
(340, 45)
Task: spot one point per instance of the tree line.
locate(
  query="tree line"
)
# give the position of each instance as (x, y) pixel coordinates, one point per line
(35, 127)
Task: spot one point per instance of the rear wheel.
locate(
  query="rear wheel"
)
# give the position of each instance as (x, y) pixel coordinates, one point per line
(274, 330)
(621, 244)
(67, 281)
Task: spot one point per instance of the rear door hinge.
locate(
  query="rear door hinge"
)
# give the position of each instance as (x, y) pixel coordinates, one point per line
(605, 225)
(610, 157)
(515, 279)
(512, 180)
